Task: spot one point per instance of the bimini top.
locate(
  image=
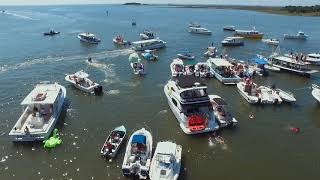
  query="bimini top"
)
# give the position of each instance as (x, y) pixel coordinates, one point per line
(166, 148)
(260, 61)
(189, 81)
(220, 62)
(42, 94)
(81, 74)
(140, 139)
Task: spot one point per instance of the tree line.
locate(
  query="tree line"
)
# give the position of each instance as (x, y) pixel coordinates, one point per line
(302, 9)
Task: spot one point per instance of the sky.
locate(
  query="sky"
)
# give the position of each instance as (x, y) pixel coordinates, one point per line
(220, 2)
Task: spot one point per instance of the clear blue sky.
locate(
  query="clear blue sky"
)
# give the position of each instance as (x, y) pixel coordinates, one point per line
(223, 2)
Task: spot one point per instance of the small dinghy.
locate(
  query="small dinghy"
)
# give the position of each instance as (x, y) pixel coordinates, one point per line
(51, 33)
(177, 68)
(113, 142)
(136, 65)
(220, 109)
(316, 92)
(119, 40)
(166, 161)
(137, 158)
(286, 96)
(202, 69)
(81, 81)
(148, 55)
(274, 42)
(186, 56)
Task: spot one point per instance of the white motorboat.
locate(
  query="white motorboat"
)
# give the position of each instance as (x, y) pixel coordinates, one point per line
(188, 99)
(177, 68)
(233, 41)
(202, 69)
(285, 96)
(268, 96)
(113, 142)
(199, 30)
(136, 65)
(137, 158)
(313, 58)
(229, 28)
(149, 55)
(89, 38)
(42, 108)
(119, 40)
(186, 56)
(150, 44)
(81, 81)
(166, 161)
(316, 92)
(299, 36)
(271, 41)
(220, 109)
(272, 68)
(222, 70)
(146, 34)
(211, 52)
(252, 34)
(194, 24)
(248, 92)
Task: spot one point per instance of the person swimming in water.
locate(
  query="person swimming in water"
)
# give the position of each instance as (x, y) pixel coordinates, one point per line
(89, 60)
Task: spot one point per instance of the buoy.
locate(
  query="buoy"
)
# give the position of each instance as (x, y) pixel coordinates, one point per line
(251, 115)
(295, 129)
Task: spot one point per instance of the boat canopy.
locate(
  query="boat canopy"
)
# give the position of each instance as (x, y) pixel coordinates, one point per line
(260, 61)
(140, 139)
(166, 147)
(42, 94)
(148, 55)
(134, 57)
(81, 74)
(221, 62)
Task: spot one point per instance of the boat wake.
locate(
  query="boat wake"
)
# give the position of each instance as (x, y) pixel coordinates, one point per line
(19, 16)
(113, 92)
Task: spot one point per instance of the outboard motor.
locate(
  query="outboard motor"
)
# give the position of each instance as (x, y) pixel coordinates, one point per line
(98, 90)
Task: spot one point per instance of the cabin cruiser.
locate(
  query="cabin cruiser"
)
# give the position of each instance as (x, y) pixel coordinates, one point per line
(188, 99)
(233, 41)
(119, 40)
(166, 161)
(229, 28)
(81, 81)
(89, 38)
(211, 52)
(201, 69)
(51, 33)
(299, 36)
(149, 55)
(220, 109)
(137, 158)
(136, 65)
(194, 24)
(42, 108)
(252, 34)
(148, 44)
(316, 92)
(291, 64)
(222, 70)
(313, 58)
(177, 68)
(186, 56)
(146, 34)
(199, 30)
(274, 42)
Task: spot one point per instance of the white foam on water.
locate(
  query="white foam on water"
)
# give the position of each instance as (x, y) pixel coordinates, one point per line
(19, 15)
(113, 92)
(211, 142)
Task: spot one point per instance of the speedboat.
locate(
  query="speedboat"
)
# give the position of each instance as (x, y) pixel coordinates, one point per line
(136, 65)
(81, 81)
(150, 44)
(299, 36)
(269, 96)
(233, 41)
(199, 30)
(166, 161)
(146, 34)
(313, 58)
(51, 33)
(285, 96)
(42, 108)
(220, 109)
(113, 142)
(271, 41)
(202, 69)
(148, 55)
(186, 56)
(194, 24)
(177, 68)
(222, 70)
(316, 92)
(211, 52)
(248, 90)
(188, 99)
(137, 158)
(229, 28)
(89, 38)
(119, 40)
(252, 34)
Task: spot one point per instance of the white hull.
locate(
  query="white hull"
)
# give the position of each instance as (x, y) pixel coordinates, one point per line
(316, 93)
(245, 95)
(89, 89)
(286, 96)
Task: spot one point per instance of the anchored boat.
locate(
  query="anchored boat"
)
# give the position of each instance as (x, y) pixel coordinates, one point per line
(233, 41)
(136, 65)
(150, 44)
(113, 142)
(252, 34)
(299, 36)
(199, 30)
(201, 69)
(222, 70)
(221, 112)
(316, 92)
(89, 38)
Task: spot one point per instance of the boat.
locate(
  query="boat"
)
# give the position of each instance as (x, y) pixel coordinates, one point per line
(89, 38)
(166, 161)
(248, 91)
(222, 70)
(137, 158)
(202, 70)
(81, 81)
(233, 41)
(133, 23)
(252, 34)
(266, 64)
(313, 58)
(177, 68)
(148, 55)
(211, 52)
(146, 34)
(316, 92)
(299, 36)
(136, 65)
(42, 108)
(113, 142)
(221, 112)
(291, 64)
(188, 99)
(199, 30)
(285, 96)
(194, 24)
(119, 40)
(271, 41)
(186, 56)
(229, 28)
(150, 44)
(51, 33)
(260, 65)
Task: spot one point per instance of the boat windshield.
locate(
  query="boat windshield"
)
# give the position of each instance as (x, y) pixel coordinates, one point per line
(196, 109)
(194, 93)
